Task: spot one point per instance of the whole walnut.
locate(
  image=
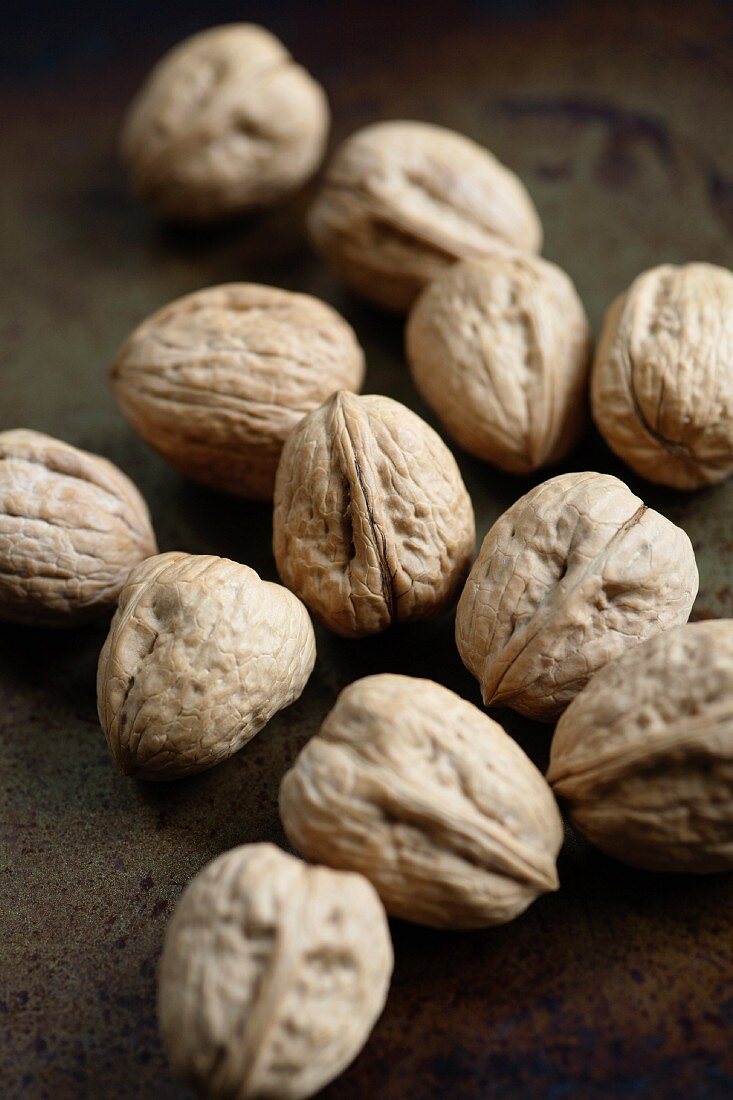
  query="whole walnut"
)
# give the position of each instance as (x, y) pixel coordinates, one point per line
(200, 655)
(272, 976)
(662, 381)
(226, 122)
(402, 200)
(216, 381)
(430, 799)
(372, 524)
(500, 348)
(572, 575)
(644, 755)
(71, 528)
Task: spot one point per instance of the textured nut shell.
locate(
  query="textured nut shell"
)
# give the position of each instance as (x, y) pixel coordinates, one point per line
(71, 528)
(401, 200)
(430, 799)
(572, 575)
(372, 523)
(500, 348)
(200, 655)
(662, 381)
(225, 122)
(217, 380)
(644, 755)
(272, 976)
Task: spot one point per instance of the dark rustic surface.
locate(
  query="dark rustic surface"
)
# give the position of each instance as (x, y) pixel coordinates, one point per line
(617, 116)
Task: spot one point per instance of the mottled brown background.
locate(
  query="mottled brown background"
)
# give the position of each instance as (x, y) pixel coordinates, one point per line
(618, 117)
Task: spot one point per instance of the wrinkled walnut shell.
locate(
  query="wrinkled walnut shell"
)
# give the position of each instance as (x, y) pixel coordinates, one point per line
(372, 522)
(662, 381)
(644, 755)
(571, 576)
(430, 799)
(71, 527)
(272, 976)
(200, 655)
(499, 348)
(216, 381)
(402, 200)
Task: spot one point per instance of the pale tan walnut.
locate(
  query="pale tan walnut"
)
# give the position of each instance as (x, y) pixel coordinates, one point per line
(216, 381)
(662, 381)
(572, 575)
(272, 976)
(430, 799)
(226, 122)
(71, 527)
(372, 524)
(200, 655)
(644, 755)
(401, 200)
(500, 349)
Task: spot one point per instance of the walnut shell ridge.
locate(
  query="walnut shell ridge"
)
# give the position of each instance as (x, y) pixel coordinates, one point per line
(200, 655)
(402, 200)
(226, 122)
(500, 348)
(216, 381)
(662, 380)
(430, 799)
(572, 575)
(372, 523)
(71, 527)
(272, 976)
(644, 755)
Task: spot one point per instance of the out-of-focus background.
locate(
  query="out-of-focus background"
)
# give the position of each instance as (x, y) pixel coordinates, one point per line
(617, 116)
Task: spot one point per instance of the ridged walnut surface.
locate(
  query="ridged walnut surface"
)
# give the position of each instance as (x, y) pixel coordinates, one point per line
(500, 348)
(272, 976)
(571, 576)
(644, 755)
(217, 380)
(200, 655)
(662, 382)
(373, 524)
(225, 122)
(430, 799)
(402, 200)
(71, 527)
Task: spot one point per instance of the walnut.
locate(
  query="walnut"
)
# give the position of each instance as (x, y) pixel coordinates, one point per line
(573, 574)
(200, 655)
(402, 200)
(71, 527)
(216, 381)
(226, 122)
(644, 755)
(372, 523)
(662, 381)
(273, 974)
(430, 799)
(500, 348)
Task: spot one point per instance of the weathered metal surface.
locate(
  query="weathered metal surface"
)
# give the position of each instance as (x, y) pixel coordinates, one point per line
(618, 117)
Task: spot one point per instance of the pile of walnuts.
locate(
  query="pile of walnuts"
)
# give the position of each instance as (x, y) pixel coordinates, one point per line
(410, 800)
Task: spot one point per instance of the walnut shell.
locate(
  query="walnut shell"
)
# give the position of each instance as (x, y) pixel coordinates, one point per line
(273, 974)
(662, 381)
(71, 527)
(200, 655)
(430, 799)
(216, 381)
(644, 755)
(499, 348)
(226, 122)
(573, 574)
(372, 522)
(402, 200)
